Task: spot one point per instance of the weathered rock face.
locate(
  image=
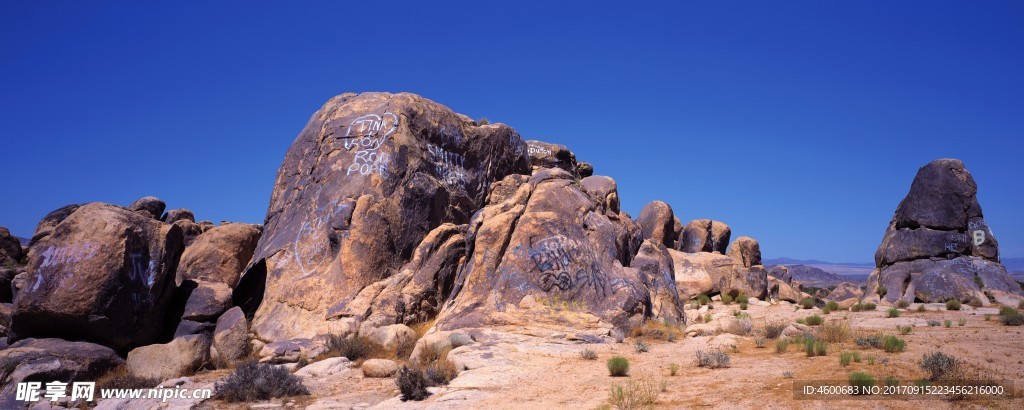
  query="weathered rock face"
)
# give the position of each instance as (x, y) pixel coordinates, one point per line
(230, 338)
(181, 357)
(176, 215)
(220, 254)
(10, 248)
(546, 250)
(149, 206)
(657, 273)
(104, 274)
(845, 292)
(658, 223)
(746, 250)
(50, 221)
(938, 245)
(708, 272)
(548, 155)
(417, 292)
(47, 360)
(359, 189)
(704, 235)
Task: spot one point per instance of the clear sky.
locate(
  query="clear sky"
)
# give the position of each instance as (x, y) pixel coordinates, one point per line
(799, 123)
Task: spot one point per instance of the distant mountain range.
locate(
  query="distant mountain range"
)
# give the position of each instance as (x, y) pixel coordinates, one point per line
(813, 272)
(24, 241)
(845, 269)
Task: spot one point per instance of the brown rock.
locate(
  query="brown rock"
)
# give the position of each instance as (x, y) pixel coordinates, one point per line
(150, 206)
(746, 250)
(390, 337)
(657, 274)
(844, 291)
(704, 235)
(778, 289)
(359, 189)
(585, 169)
(50, 221)
(692, 278)
(104, 274)
(207, 301)
(181, 357)
(554, 252)
(176, 215)
(548, 155)
(10, 248)
(379, 368)
(230, 338)
(220, 254)
(657, 222)
(47, 360)
(190, 230)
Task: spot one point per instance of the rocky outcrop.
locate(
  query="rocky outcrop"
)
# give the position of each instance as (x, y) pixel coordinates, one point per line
(10, 248)
(658, 223)
(50, 221)
(103, 274)
(845, 294)
(745, 250)
(181, 357)
(150, 206)
(709, 272)
(176, 215)
(207, 301)
(220, 254)
(367, 179)
(47, 360)
(704, 235)
(230, 338)
(546, 250)
(938, 245)
(548, 155)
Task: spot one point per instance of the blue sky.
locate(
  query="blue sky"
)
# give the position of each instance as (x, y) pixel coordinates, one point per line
(799, 123)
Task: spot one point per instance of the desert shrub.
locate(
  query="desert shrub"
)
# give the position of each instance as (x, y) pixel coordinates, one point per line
(254, 381)
(826, 310)
(707, 317)
(870, 306)
(726, 299)
(937, 364)
(641, 347)
(1013, 319)
(802, 321)
(903, 304)
(962, 321)
(952, 304)
(868, 341)
(639, 393)
(712, 359)
(703, 299)
(871, 360)
(905, 330)
(618, 366)
(774, 329)
(814, 320)
(657, 330)
(893, 344)
(948, 323)
(116, 378)
(893, 312)
(673, 369)
(933, 322)
(845, 359)
(857, 307)
(807, 303)
(412, 384)
(781, 346)
(834, 332)
(483, 121)
(742, 298)
(746, 325)
(354, 348)
(814, 347)
(988, 317)
(891, 380)
(975, 302)
(588, 354)
(743, 305)
(921, 308)
(862, 381)
(440, 372)
(1006, 310)
(832, 305)
(760, 342)
(881, 291)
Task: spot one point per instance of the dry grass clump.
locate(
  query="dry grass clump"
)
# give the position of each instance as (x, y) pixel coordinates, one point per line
(774, 329)
(255, 381)
(638, 393)
(712, 359)
(412, 384)
(657, 330)
(120, 378)
(833, 332)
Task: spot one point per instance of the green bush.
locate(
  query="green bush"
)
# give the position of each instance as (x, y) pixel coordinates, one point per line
(905, 330)
(921, 308)
(618, 366)
(892, 381)
(703, 299)
(801, 321)
(962, 321)
(857, 307)
(893, 344)
(673, 369)
(807, 303)
(893, 312)
(1013, 319)
(861, 380)
(742, 298)
(774, 329)
(847, 357)
(814, 347)
(743, 305)
(870, 306)
(881, 291)
(254, 381)
(832, 305)
(903, 304)
(948, 323)
(938, 364)
(952, 304)
(1006, 310)
(726, 299)
(814, 320)
(781, 346)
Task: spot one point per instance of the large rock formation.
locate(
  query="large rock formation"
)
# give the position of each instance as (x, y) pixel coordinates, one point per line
(547, 250)
(103, 274)
(50, 221)
(10, 248)
(938, 245)
(658, 223)
(704, 235)
(48, 360)
(220, 254)
(548, 155)
(359, 189)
